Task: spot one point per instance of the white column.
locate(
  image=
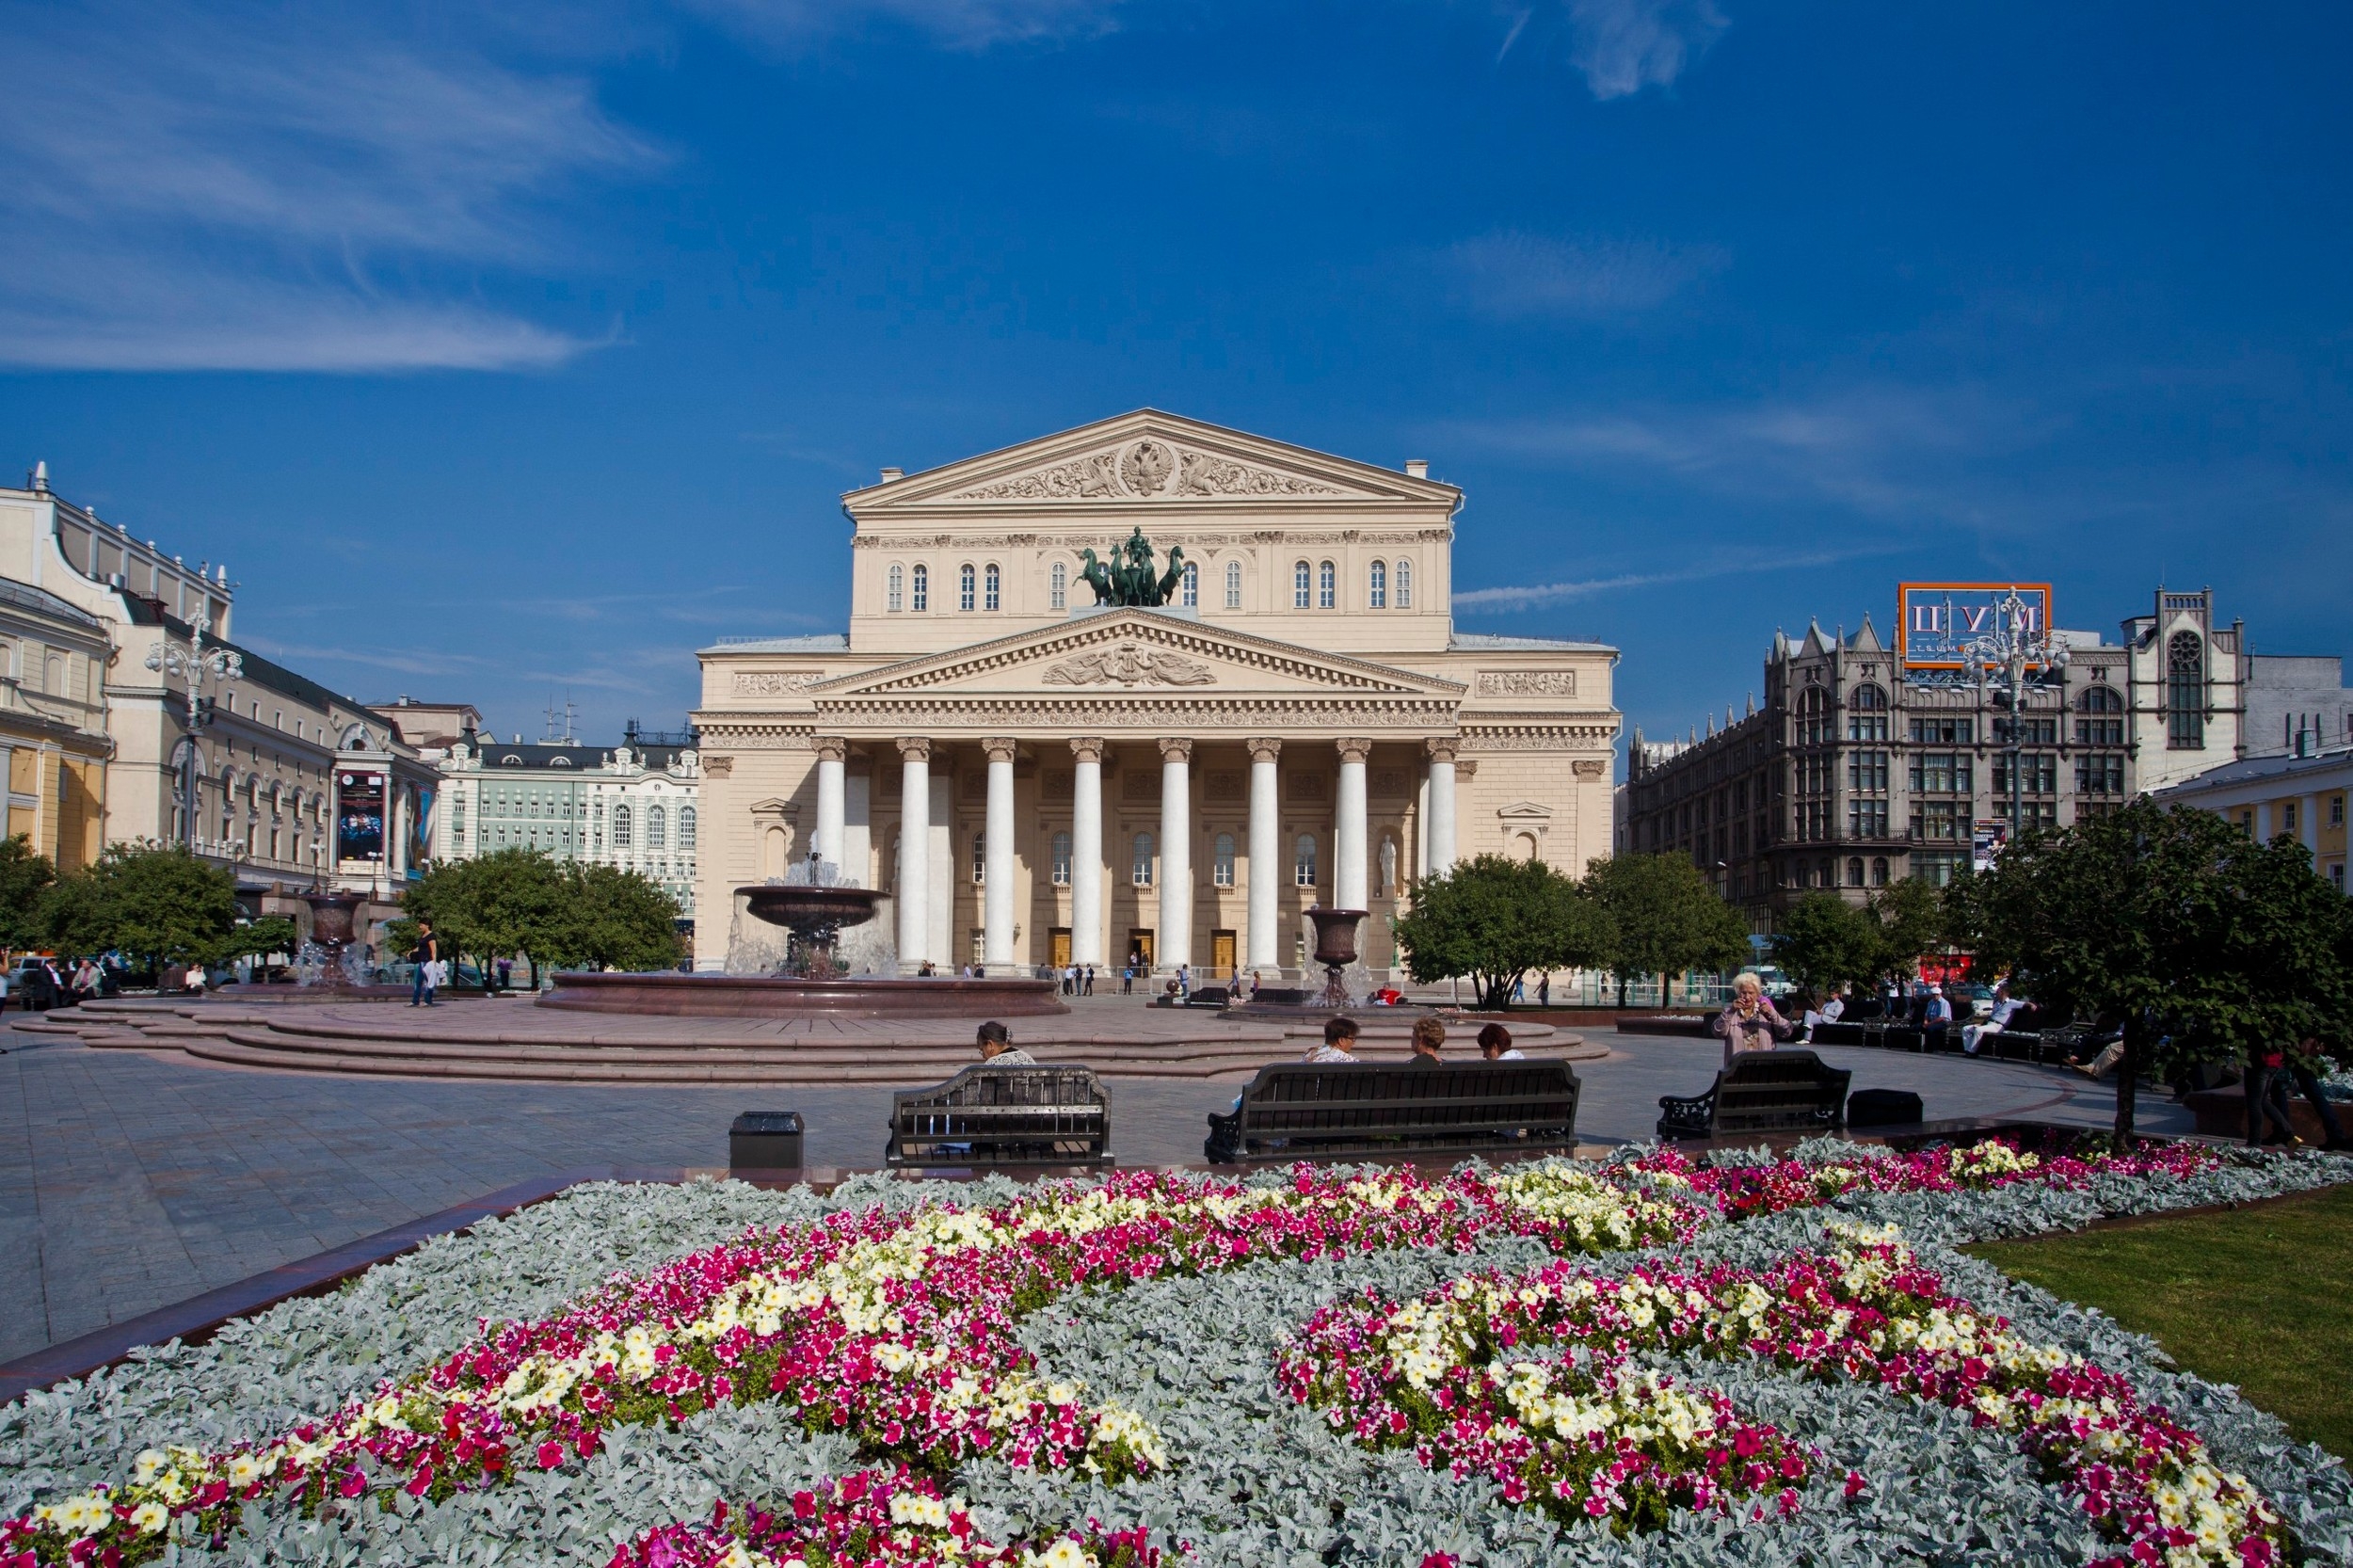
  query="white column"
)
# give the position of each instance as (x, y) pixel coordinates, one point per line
(1087, 853)
(915, 851)
(1439, 829)
(2262, 822)
(947, 948)
(857, 830)
(1264, 937)
(1348, 890)
(2308, 825)
(1174, 939)
(832, 753)
(997, 863)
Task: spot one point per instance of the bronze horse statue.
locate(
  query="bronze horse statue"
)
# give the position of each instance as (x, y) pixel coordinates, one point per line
(1130, 581)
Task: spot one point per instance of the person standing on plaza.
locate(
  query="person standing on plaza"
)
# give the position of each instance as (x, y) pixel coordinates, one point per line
(1086, 988)
(1748, 1021)
(1543, 989)
(428, 947)
(1184, 983)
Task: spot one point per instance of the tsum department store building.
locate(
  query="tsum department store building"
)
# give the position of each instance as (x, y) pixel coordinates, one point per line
(1035, 779)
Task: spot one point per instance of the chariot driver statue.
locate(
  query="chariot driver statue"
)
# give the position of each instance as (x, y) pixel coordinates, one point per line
(1127, 578)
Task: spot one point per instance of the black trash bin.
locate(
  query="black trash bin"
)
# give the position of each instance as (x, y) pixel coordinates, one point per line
(765, 1141)
(1870, 1108)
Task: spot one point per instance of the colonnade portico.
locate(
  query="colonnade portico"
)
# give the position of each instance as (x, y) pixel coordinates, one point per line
(1261, 875)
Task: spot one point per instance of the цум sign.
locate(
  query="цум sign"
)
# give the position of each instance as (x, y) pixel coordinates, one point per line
(1937, 621)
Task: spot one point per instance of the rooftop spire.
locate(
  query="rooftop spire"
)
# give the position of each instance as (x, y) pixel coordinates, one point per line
(39, 482)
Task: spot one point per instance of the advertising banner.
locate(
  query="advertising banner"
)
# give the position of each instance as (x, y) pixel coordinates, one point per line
(421, 833)
(1936, 622)
(1985, 844)
(359, 816)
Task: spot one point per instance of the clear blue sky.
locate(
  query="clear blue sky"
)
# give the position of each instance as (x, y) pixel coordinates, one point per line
(502, 357)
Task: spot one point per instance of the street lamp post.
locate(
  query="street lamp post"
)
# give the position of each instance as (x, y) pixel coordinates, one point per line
(193, 661)
(2012, 648)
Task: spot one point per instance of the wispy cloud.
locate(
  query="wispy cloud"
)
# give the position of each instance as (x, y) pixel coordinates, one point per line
(957, 24)
(1538, 595)
(1513, 274)
(1623, 46)
(245, 188)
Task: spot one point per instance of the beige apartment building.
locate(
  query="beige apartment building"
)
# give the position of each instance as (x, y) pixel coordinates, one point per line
(1036, 779)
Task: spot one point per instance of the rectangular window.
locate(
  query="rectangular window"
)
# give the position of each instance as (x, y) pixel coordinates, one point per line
(1866, 818)
(1222, 861)
(2031, 731)
(1867, 772)
(1866, 727)
(1935, 870)
(2099, 732)
(2038, 775)
(1936, 821)
(1941, 773)
(1941, 731)
(2100, 776)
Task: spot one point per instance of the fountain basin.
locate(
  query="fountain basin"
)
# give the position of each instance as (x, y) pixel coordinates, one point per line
(803, 909)
(744, 996)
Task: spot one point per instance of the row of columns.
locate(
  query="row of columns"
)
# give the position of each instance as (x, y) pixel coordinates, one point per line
(2306, 823)
(1173, 887)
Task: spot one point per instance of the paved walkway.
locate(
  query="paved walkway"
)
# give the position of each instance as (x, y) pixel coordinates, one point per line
(131, 1179)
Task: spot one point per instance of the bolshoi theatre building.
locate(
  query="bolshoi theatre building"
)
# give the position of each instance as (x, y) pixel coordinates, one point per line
(1272, 711)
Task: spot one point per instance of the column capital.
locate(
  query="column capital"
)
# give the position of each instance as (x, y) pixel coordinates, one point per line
(914, 748)
(998, 749)
(1353, 749)
(830, 748)
(1264, 748)
(1088, 748)
(1176, 749)
(1441, 747)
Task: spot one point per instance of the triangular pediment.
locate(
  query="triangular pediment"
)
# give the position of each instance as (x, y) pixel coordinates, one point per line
(1116, 653)
(1147, 458)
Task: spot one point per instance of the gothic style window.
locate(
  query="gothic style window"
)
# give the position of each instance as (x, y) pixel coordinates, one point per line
(656, 835)
(2103, 731)
(1866, 714)
(1327, 587)
(1233, 584)
(1140, 867)
(1377, 586)
(964, 586)
(980, 859)
(621, 827)
(1222, 861)
(1405, 584)
(686, 827)
(1854, 871)
(1301, 587)
(1058, 586)
(1878, 871)
(1062, 859)
(1303, 861)
(898, 582)
(994, 583)
(2185, 691)
(1191, 599)
(919, 596)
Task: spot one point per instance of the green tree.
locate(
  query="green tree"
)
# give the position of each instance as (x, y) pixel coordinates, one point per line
(25, 876)
(616, 916)
(253, 938)
(156, 900)
(2171, 922)
(1907, 921)
(1494, 920)
(1664, 917)
(1824, 942)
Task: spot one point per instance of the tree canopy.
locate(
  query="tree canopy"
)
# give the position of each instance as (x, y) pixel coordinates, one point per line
(1824, 942)
(1494, 919)
(157, 902)
(525, 902)
(25, 876)
(1663, 918)
(2174, 923)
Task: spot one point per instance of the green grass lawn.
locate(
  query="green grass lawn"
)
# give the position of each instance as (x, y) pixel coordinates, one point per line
(2261, 1297)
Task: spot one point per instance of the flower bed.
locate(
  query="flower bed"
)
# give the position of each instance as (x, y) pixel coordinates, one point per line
(1043, 1375)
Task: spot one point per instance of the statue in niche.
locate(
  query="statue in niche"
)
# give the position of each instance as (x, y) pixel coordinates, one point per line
(1127, 578)
(1388, 865)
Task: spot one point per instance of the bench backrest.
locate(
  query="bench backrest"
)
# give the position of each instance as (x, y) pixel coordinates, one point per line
(990, 1115)
(1385, 1107)
(1778, 1091)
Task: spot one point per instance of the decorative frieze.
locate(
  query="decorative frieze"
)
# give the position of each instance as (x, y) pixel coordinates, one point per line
(774, 682)
(1528, 682)
(1130, 663)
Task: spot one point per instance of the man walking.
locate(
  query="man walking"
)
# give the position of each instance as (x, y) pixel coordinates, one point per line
(424, 954)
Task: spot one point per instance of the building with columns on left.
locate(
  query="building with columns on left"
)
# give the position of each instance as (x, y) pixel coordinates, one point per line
(1036, 779)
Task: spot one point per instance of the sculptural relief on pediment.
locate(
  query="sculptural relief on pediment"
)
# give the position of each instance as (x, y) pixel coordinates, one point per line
(1130, 663)
(1147, 469)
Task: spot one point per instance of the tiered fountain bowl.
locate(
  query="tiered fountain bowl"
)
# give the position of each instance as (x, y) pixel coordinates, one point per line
(815, 913)
(331, 934)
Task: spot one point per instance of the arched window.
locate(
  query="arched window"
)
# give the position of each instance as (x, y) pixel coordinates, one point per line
(1192, 591)
(621, 827)
(1327, 587)
(1233, 584)
(686, 827)
(1140, 863)
(992, 581)
(1878, 871)
(2185, 691)
(1303, 587)
(2107, 730)
(980, 857)
(920, 588)
(1303, 861)
(2099, 699)
(1866, 714)
(964, 586)
(1377, 586)
(657, 828)
(1222, 861)
(1854, 871)
(893, 599)
(1405, 584)
(1058, 586)
(1062, 859)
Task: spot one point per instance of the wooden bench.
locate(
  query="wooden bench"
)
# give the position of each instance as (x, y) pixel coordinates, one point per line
(1763, 1091)
(1312, 1110)
(989, 1115)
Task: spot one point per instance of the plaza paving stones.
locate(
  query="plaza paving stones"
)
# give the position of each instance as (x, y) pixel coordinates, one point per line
(132, 1178)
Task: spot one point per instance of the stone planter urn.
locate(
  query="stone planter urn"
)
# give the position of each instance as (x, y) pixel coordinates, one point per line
(1336, 949)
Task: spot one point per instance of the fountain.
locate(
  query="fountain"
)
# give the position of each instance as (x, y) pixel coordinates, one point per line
(1336, 950)
(813, 906)
(326, 968)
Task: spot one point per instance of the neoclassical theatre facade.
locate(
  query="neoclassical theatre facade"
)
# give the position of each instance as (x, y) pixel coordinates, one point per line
(1036, 779)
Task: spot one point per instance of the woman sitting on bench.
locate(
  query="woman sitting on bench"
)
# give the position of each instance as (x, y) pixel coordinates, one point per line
(1748, 1021)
